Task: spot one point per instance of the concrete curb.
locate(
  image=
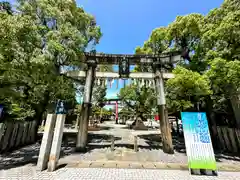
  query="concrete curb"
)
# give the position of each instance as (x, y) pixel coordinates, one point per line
(144, 165)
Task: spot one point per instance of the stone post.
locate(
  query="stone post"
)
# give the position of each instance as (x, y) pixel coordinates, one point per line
(77, 121)
(46, 142)
(135, 143)
(162, 112)
(86, 107)
(56, 143)
(112, 142)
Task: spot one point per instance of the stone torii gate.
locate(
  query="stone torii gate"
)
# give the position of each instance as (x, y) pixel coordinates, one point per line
(113, 102)
(158, 63)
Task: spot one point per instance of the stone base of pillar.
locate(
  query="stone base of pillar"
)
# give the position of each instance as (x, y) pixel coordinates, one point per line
(81, 149)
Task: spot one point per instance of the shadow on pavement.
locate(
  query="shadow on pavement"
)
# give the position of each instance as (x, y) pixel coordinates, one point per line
(154, 140)
(29, 154)
(179, 146)
(21, 157)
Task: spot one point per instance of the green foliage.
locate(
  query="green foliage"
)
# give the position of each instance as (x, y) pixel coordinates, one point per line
(185, 31)
(156, 44)
(225, 81)
(139, 100)
(6, 6)
(98, 96)
(211, 45)
(186, 89)
(224, 75)
(101, 111)
(37, 43)
(221, 31)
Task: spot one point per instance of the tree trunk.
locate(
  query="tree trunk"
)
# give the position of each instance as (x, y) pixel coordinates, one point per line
(212, 122)
(40, 109)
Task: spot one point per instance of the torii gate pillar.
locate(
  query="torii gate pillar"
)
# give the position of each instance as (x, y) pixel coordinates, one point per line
(163, 112)
(86, 107)
(116, 113)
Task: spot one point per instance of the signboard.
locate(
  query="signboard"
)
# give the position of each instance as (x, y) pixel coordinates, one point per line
(198, 141)
(60, 109)
(124, 68)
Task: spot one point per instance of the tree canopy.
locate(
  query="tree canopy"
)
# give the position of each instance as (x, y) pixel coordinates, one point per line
(138, 100)
(211, 52)
(39, 41)
(42, 39)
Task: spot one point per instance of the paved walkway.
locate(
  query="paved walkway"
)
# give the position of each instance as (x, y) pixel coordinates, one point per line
(20, 164)
(149, 144)
(29, 173)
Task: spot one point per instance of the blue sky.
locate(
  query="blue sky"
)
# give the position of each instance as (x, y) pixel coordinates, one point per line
(128, 23)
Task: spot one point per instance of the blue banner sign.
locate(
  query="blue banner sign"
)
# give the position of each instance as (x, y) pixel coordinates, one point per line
(60, 109)
(198, 141)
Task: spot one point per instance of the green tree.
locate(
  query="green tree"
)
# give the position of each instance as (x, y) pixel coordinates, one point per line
(186, 90)
(157, 42)
(225, 81)
(204, 40)
(221, 31)
(39, 42)
(140, 100)
(6, 6)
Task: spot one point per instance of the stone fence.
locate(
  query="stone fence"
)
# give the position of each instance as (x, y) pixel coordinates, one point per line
(14, 134)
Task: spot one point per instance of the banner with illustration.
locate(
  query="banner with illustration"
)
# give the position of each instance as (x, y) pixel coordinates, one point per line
(198, 141)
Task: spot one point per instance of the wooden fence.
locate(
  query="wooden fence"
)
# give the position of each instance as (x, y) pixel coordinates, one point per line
(15, 134)
(229, 139)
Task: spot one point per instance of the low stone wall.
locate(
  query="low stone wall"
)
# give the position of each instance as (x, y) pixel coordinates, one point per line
(16, 133)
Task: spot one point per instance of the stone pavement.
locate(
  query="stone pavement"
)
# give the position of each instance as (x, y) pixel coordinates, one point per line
(29, 173)
(19, 164)
(149, 144)
(141, 165)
